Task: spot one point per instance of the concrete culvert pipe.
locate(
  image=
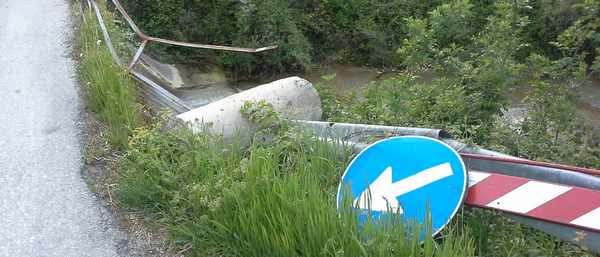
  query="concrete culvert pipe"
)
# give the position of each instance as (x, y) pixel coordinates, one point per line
(293, 98)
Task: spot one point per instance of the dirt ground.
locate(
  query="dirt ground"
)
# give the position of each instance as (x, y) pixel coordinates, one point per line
(145, 239)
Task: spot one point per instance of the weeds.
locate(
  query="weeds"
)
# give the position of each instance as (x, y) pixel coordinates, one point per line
(270, 199)
(109, 89)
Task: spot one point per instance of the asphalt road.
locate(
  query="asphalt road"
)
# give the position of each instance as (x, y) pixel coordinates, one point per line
(46, 209)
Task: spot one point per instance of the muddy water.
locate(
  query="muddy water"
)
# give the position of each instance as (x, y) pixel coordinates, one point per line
(350, 78)
(588, 104)
(347, 78)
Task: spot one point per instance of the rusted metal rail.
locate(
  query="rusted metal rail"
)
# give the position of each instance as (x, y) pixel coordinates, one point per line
(157, 94)
(145, 37)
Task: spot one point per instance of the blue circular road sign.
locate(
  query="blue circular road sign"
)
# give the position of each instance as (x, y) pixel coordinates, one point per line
(407, 175)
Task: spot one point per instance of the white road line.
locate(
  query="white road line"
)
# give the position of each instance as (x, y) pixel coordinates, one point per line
(590, 219)
(528, 196)
(476, 177)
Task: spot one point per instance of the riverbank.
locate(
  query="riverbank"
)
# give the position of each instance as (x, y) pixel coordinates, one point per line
(352, 79)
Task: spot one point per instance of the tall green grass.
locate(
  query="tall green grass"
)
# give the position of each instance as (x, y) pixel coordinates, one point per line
(266, 200)
(109, 89)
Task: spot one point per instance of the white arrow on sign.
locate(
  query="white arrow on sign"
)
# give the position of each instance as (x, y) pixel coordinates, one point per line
(381, 194)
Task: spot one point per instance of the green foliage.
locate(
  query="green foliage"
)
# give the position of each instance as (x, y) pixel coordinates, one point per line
(365, 31)
(451, 23)
(263, 23)
(357, 31)
(552, 130)
(480, 68)
(262, 114)
(548, 19)
(583, 37)
(109, 89)
(253, 23)
(351, 31)
(331, 105)
(498, 236)
(403, 101)
(420, 40)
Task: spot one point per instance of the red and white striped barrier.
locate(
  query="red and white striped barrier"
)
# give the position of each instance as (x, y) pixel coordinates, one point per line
(568, 205)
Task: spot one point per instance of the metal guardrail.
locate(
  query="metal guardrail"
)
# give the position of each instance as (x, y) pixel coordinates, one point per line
(492, 161)
(145, 39)
(587, 171)
(352, 132)
(157, 95)
(152, 89)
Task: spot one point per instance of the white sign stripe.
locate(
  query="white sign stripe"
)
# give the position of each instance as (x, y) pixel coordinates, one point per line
(528, 196)
(590, 219)
(476, 177)
(381, 193)
(420, 179)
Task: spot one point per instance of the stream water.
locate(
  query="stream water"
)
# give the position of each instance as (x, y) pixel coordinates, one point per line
(350, 78)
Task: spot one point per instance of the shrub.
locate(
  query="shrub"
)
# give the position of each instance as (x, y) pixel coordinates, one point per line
(356, 31)
(267, 22)
(253, 23)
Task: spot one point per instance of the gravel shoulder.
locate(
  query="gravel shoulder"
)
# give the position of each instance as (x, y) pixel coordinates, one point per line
(144, 239)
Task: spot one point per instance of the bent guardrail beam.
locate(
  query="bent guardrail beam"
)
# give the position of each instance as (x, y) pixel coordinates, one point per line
(560, 174)
(354, 132)
(159, 97)
(145, 39)
(154, 92)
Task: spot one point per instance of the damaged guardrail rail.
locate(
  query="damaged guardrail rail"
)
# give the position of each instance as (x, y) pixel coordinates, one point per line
(145, 39)
(349, 131)
(561, 200)
(151, 90)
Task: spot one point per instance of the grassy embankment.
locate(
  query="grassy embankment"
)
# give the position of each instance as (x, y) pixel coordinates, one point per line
(109, 90)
